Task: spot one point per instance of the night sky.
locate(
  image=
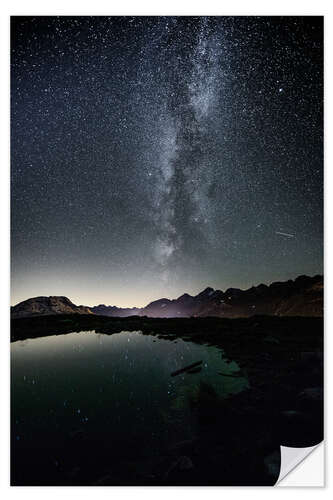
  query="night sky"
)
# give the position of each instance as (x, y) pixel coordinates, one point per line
(153, 156)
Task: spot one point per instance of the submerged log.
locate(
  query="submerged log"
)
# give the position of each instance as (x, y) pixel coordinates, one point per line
(185, 369)
(234, 375)
(195, 370)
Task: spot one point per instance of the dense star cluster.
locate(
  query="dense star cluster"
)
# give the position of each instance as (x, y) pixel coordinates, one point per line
(157, 155)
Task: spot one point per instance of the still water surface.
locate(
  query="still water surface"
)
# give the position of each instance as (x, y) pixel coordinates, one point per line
(116, 390)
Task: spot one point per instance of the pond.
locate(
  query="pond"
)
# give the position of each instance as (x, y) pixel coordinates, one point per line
(82, 400)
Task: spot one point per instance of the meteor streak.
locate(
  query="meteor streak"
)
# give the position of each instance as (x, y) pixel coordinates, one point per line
(285, 234)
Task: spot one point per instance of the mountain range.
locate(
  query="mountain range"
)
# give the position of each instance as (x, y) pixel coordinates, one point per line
(300, 297)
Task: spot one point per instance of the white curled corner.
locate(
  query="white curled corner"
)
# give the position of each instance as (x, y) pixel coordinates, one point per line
(291, 458)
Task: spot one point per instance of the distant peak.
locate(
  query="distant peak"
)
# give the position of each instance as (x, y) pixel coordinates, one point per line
(185, 296)
(206, 291)
(233, 291)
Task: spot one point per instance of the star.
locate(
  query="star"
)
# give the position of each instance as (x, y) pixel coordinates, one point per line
(145, 150)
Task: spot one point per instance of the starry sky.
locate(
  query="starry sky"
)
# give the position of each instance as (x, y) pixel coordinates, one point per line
(152, 156)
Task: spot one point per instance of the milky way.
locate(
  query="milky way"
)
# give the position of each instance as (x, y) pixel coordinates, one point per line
(153, 156)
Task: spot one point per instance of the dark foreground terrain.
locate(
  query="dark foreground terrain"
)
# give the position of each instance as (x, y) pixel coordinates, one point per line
(239, 437)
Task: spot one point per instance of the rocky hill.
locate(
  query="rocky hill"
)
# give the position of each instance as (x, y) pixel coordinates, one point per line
(39, 306)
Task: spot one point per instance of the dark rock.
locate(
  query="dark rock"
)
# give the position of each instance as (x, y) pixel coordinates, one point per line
(311, 394)
(273, 463)
(185, 463)
(271, 340)
(310, 398)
